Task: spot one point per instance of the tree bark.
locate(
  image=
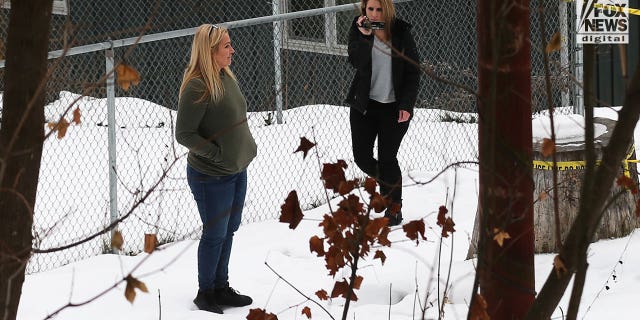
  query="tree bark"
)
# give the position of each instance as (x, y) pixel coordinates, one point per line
(21, 139)
(506, 274)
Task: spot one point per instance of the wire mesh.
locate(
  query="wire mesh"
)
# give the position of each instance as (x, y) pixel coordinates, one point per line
(312, 69)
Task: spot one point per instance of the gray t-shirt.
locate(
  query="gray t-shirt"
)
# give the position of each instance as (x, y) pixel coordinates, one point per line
(381, 81)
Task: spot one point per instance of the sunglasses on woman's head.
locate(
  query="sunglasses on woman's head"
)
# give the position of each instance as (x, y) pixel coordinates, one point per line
(213, 26)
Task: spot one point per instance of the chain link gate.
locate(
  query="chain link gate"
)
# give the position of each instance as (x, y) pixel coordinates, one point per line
(290, 56)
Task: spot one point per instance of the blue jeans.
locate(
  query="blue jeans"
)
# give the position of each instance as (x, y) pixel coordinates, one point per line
(220, 201)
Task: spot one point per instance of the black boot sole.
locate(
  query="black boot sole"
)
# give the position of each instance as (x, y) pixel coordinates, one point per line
(204, 306)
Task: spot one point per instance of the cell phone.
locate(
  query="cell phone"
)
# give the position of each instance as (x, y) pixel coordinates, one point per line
(373, 25)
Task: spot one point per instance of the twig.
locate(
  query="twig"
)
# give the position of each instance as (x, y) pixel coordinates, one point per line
(326, 192)
(296, 289)
(446, 283)
(390, 286)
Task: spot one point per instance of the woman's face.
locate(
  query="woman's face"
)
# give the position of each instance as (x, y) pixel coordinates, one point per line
(373, 9)
(222, 55)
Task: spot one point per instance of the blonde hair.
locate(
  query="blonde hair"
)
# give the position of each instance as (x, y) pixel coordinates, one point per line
(202, 66)
(388, 12)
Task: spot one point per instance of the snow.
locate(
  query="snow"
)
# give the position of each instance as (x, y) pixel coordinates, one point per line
(413, 275)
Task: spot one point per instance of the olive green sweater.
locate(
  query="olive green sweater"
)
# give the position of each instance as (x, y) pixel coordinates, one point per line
(216, 134)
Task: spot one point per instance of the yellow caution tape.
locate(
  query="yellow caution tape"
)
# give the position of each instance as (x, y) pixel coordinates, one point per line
(616, 8)
(580, 165)
(561, 165)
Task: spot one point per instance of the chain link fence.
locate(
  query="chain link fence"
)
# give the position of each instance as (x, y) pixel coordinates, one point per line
(293, 70)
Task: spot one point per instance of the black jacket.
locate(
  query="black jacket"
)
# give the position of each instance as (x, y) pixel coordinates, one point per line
(406, 76)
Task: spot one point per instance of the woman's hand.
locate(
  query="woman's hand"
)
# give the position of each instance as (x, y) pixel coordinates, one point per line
(403, 116)
(366, 32)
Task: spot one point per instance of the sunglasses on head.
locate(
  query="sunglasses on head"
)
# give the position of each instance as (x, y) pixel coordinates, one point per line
(213, 26)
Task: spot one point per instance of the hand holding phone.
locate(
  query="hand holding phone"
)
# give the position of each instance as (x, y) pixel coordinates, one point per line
(372, 25)
(359, 24)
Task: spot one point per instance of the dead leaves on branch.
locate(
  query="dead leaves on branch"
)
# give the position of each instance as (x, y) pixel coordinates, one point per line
(334, 178)
(132, 285)
(61, 126)
(342, 289)
(445, 222)
(348, 232)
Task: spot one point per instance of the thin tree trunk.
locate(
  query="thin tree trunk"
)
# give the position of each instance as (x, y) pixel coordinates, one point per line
(506, 274)
(589, 55)
(21, 138)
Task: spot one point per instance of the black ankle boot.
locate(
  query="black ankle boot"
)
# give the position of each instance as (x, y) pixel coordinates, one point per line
(206, 300)
(394, 219)
(226, 296)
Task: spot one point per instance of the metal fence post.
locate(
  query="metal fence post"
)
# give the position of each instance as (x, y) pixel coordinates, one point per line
(111, 113)
(564, 50)
(277, 44)
(578, 98)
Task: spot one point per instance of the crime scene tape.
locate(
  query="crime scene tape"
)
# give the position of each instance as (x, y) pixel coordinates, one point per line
(580, 165)
(616, 8)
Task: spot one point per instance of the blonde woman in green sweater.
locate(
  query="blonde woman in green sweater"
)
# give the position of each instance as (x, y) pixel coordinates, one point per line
(212, 124)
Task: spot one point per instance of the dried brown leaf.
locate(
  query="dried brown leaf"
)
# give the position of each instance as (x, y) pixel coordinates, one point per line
(542, 196)
(370, 185)
(554, 44)
(380, 255)
(414, 229)
(500, 235)
(290, 210)
(357, 282)
(117, 240)
(260, 314)
(558, 265)
(307, 312)
(132, 285)
(305, 146)
(322, 295)
(76, 116)
(127, 75)
(317, 245)
(548, 147)
(341, 289)
(61, 127)
(333, 175)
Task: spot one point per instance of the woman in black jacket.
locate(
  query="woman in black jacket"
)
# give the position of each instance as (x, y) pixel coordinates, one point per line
(382, 94)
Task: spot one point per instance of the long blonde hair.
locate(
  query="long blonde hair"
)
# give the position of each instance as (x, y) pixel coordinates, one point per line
(201, 65)
(388, 12)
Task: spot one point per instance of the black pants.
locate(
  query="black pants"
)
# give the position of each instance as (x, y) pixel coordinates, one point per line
(380, 121)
